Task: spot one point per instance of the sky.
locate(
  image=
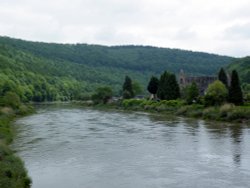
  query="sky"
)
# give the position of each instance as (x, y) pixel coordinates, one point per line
(214, 26)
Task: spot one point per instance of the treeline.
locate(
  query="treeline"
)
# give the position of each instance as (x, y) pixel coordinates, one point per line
(167, 88)
(133, 58)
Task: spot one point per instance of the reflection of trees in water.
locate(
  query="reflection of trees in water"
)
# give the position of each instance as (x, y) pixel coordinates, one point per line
(236, 135)
(219, 130)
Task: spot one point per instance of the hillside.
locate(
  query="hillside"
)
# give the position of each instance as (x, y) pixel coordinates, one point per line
(49, 71)
(242, 65)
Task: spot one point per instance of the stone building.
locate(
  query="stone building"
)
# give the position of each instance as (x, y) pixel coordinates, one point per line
(202, 82)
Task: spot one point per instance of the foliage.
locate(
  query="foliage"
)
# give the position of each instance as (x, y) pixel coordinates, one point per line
(191, 93)
(48, 72)
(242, 66)
(12, 171)
(223, 77)
(153, 85)
(102, 95)
(235, 93)
(168, 87)
(142, 104)
(11, 99)
(127, 88)
(216, 94)
(137, 88)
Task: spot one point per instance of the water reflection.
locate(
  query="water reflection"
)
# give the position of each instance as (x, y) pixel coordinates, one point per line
(236, 132)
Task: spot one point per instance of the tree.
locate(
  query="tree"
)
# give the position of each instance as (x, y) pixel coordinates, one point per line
(235, 92)
(216, 93)
(168, 87)
(127, 88)
(102, 95)
(136, 87)
(223, 77)
(11, 99)
(192, 93)
(153, 86)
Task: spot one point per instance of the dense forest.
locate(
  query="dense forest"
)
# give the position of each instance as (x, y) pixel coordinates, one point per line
(242, 65)
(47, 71)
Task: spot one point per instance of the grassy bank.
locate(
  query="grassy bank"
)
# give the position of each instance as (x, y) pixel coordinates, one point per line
(12, 171)
(225, 112)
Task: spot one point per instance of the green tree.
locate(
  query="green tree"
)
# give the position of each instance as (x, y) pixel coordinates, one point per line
(192, 93)
(137, 88)
(235, 92)
(102, 95)
(168, 87)
(127, 88)
(216, 93)
(153, 86)
(11, 99)
(223, 77)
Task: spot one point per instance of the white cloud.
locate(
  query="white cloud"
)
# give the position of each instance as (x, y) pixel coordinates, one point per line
(211, 26)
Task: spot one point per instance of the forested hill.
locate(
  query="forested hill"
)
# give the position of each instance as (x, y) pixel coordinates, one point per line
(242, 65)
(49, 71)
(135, 58)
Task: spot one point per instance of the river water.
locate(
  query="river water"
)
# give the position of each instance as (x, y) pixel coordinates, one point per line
(72, 147)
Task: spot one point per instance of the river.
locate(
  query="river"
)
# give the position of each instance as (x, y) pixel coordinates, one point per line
(72, 147)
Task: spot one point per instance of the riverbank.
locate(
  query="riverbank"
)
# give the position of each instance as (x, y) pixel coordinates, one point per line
(225, 112)
(12, 170)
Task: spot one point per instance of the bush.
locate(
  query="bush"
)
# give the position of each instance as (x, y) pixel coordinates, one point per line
(132, 102)
(12, 100)
(239, 114)
(211, 113)
(225, 109)
(216, 94)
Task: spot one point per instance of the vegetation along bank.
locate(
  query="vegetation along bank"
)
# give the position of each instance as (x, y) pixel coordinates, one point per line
(12, 171)
(222, 100)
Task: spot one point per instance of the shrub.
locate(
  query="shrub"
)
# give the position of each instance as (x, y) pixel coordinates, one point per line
(225, 109)
(216, 94)
(211, 113)
(239, 114)
(132, 102)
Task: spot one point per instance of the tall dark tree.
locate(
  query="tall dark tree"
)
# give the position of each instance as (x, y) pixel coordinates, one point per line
(153, 86)
(127, 88)
(223, 77)
(168, 87)
(235, 92)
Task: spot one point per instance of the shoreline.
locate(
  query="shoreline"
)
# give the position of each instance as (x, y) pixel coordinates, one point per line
(13, 173)
(224, 113)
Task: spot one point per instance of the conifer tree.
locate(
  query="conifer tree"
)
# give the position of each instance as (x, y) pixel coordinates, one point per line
(127, 88)
(153, 86)
(168, 87)
(223, 77)
(235, 92)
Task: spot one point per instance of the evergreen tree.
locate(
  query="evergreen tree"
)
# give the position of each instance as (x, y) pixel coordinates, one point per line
(127, 88)
(168, 87)
(153, 86)
(235, 93)
(223, 77)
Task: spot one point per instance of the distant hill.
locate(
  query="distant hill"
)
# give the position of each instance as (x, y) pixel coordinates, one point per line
(50, 71)
(242, 66)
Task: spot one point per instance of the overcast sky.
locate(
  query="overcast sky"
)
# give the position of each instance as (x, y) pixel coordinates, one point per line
(216, 26)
